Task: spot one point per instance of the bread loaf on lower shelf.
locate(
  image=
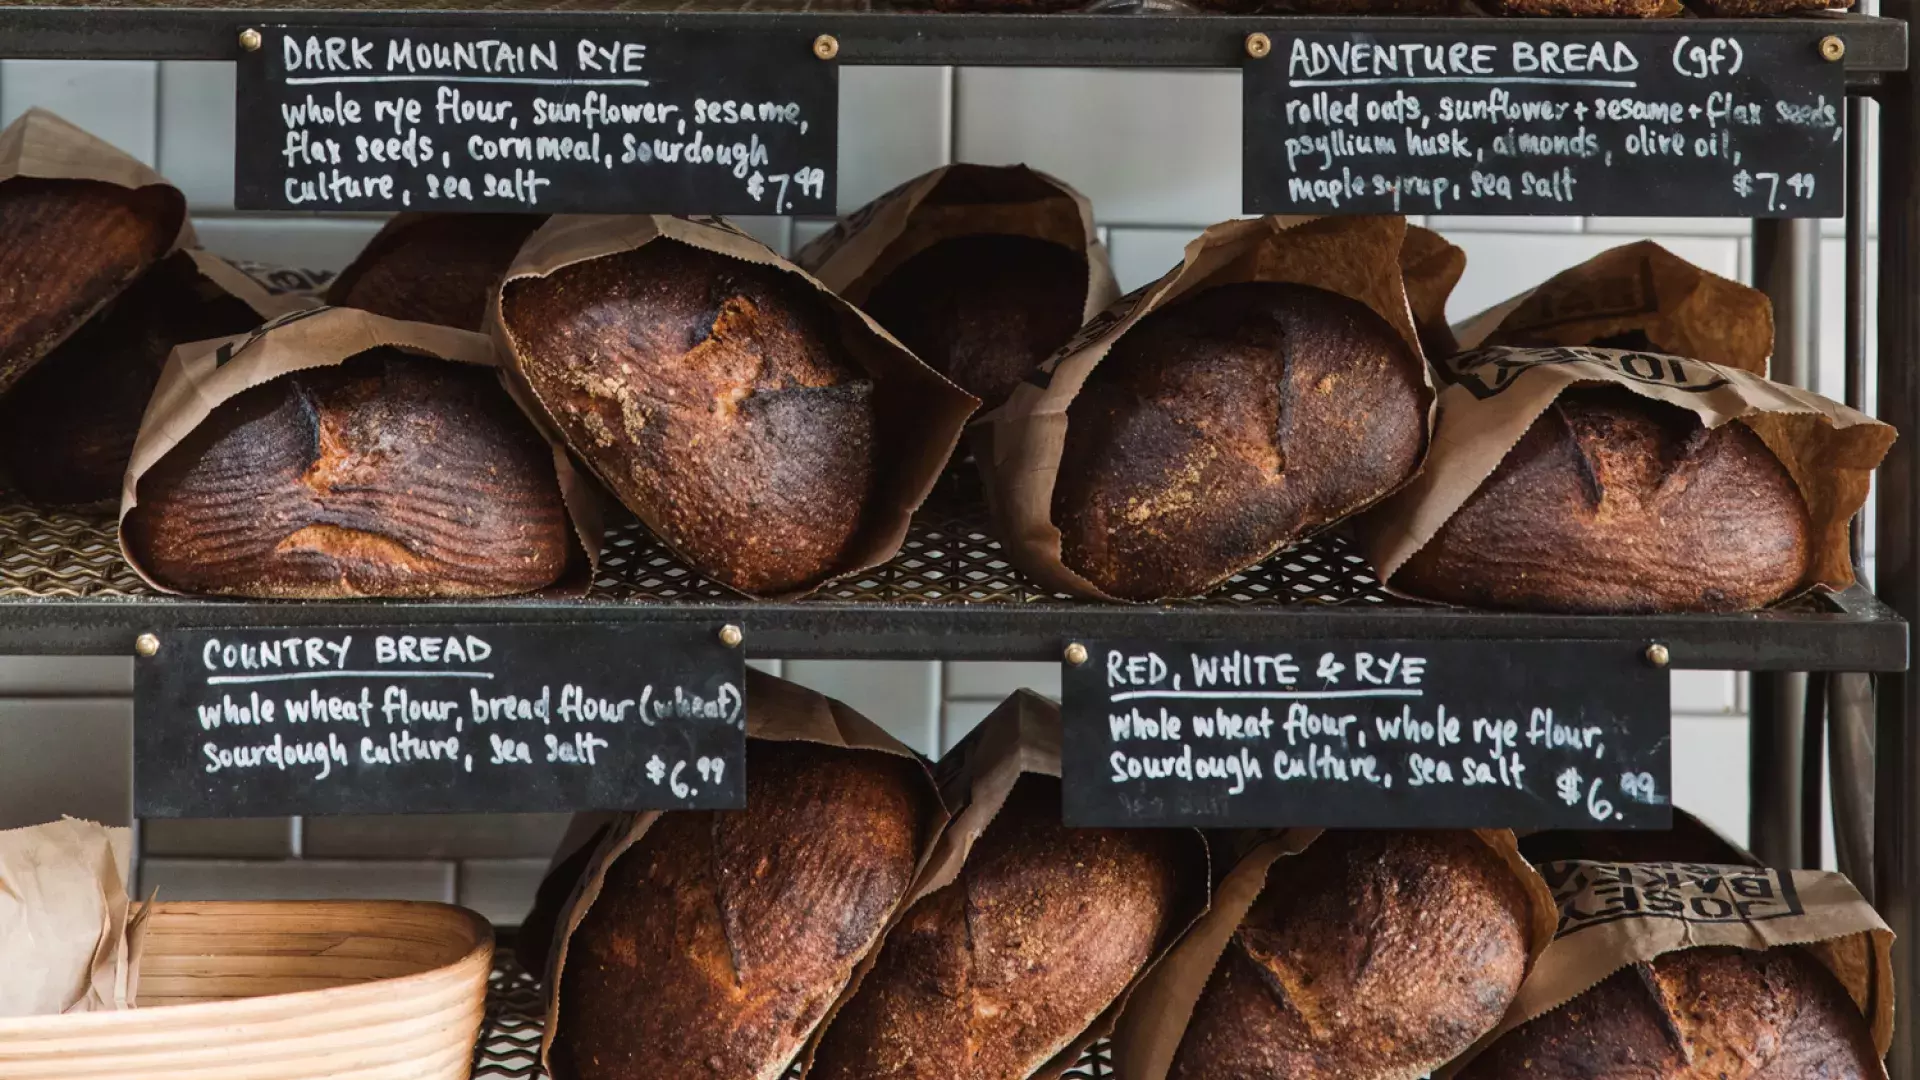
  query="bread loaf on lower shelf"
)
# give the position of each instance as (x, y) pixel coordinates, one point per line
(389, 475)
(437, 268)
(719, 939)
(1701, 1014)
(1614, 503)
(991, 976)
(1369, 956)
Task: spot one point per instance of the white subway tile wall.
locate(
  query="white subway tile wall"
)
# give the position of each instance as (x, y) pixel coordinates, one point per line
(1157, 152)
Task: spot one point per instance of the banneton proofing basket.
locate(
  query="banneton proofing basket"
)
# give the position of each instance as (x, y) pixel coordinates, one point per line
(323, 990)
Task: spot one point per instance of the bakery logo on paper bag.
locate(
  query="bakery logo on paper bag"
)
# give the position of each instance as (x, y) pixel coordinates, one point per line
(1592, 894)
(1485, 373)
(226, 354)
(1094, 330)
(284, 280)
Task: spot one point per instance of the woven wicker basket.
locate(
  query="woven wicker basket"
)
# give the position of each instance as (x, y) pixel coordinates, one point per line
(340, 990)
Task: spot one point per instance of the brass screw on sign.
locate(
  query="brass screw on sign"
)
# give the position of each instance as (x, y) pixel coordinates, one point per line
(1258, 45)
(146, 644)
(1832, 48)
(730, 636)
(1076, 654)
(1657, 655)
(826, 46)
(250, 40)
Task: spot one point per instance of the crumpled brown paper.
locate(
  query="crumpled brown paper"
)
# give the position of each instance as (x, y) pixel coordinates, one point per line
(69, 934)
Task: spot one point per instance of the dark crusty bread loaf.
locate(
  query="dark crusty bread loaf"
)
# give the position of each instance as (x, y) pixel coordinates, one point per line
(1369, 956)
(71, 245)
(436, 268)
(710, 395)
(1615, 503)
(719, 940)
(389, 475)
(1227, 426)
(991, 976)
(984, 310)
(67, 427)
(1688, 841)
(1701, 1014)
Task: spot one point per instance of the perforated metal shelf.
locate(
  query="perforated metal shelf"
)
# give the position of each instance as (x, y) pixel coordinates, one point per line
(949, 594)
(509, 1044)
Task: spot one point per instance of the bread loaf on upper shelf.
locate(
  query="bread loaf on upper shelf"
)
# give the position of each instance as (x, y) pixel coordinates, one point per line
(67, 427)
(1701, 1014)
(1229, 425)
(719, 939)
(389, 475)
(984, 310)
(66, 248)
(713, 396)
(1615, 503)
(1369, 956)
(437, 268)
(992, 975)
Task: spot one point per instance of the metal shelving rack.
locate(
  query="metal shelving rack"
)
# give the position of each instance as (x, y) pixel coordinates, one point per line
(951, 595)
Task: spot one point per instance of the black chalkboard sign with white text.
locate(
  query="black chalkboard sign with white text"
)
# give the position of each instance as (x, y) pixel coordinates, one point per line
(1367, 734)
(670, 121)
(1674, 117)
(359, 720)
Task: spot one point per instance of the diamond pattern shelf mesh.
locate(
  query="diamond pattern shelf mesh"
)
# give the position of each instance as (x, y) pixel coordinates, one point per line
(948, 558)
(509, 1044)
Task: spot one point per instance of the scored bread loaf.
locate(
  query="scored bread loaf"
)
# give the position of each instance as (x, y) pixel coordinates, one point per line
(67, 427)
(984, 310)
(70, 246)
(388, 475)
(436, 268)
(1369, 956)
(1615, 503)
(992, 975)
(1700, 1014)
(712, 396)
(719, 939)
(1222, 428)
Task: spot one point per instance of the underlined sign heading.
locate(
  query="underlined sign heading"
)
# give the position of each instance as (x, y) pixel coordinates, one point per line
(1384, 734)
(548, 121)
(1670, 118)
(365, 720)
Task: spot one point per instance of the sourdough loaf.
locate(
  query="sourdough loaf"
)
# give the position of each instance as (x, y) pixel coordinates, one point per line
(719, 939)
(1369, 956)
(992, 975)
(388, 475)
(984, 310)
(437, 268)
(1614, 503)
(1227, 426)
(712, 397)
(71, 246)
(67, 427)
(1701, 1014)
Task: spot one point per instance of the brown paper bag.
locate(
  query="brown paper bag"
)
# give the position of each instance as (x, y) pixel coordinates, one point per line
(1157, 1016)
(43, 146)
(69, 934)
(951, 201)
(1830, 450)
(271, 291)
(1019, 444)
(1022, 736)
(1432, 267)
(201, 375)
(920, 415)
(1613, 915)
(776, 710)
(1638, 296)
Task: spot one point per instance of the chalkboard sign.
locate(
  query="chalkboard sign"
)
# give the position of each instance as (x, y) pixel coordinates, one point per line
(1381, 734)
(1678, 117)
(353, 720)
(467, 118)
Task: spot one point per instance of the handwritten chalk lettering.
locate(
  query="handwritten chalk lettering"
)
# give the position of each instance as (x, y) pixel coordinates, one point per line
(413, 119)
(292, 652)
(1516, 122)
(321, 755)
(408, 649)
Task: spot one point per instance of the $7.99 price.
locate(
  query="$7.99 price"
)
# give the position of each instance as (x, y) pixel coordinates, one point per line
(676, 777)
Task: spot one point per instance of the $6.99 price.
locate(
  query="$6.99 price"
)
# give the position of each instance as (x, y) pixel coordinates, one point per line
(677, 777)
